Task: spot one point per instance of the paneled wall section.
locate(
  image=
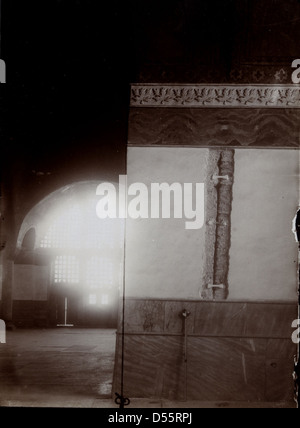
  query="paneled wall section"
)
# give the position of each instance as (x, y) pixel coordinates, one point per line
(236, 351)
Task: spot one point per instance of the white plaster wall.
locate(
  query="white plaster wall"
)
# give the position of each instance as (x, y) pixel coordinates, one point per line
(30, 282)
(163, 259)
(263, 254)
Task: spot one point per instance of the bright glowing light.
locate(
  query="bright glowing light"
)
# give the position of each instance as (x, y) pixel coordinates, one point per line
(104, 299)
(87, 247)
(92, 299)
(99, 272)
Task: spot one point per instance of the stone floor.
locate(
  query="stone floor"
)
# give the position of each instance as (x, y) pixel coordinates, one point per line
(70, 367)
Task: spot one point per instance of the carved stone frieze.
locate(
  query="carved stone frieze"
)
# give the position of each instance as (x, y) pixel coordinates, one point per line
(213, 96)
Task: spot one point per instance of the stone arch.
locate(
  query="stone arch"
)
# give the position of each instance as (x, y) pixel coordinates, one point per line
(28, 242)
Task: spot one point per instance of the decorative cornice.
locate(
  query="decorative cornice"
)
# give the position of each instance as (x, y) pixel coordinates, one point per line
(215, 96)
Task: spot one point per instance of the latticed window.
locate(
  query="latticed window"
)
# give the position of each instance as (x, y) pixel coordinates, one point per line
(79, 227)
(66, 269)
(92, 299)
(65, 231)
(78, 237)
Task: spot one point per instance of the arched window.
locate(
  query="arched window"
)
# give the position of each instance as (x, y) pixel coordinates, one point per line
(83, 252)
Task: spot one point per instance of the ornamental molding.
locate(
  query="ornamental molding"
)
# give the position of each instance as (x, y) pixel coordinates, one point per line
(215, 96)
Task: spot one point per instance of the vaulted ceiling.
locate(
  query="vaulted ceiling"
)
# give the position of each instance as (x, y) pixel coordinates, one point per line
(70, 64)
